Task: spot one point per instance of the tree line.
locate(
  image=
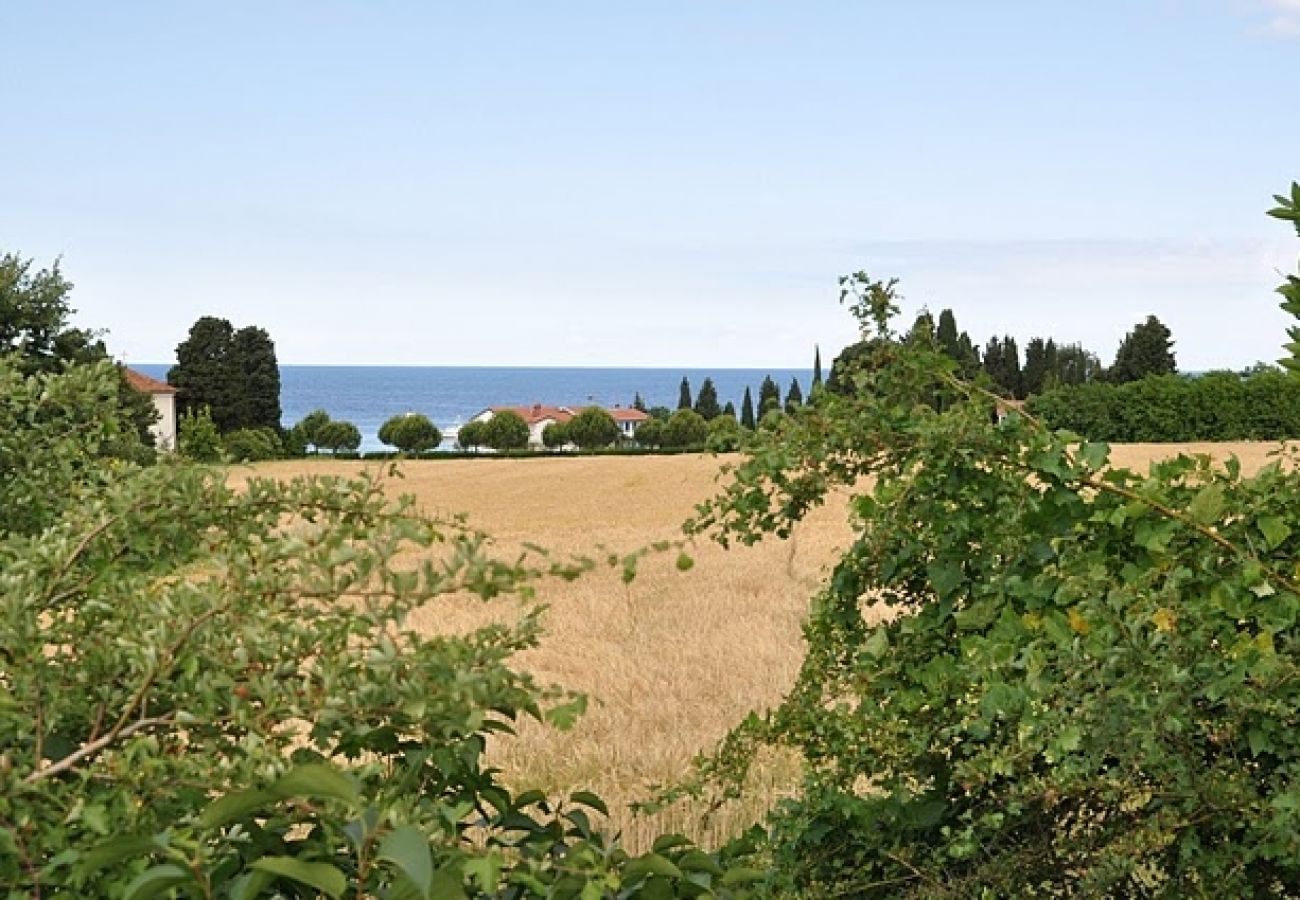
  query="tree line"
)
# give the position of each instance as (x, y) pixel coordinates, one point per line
(1046, 364)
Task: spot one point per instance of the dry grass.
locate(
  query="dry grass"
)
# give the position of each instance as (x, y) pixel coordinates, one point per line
(671, 660)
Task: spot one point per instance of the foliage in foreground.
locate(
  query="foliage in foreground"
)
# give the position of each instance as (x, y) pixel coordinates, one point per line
(207, 692)
(1092, 683)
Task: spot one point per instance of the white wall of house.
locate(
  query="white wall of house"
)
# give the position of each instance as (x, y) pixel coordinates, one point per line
(164, 430)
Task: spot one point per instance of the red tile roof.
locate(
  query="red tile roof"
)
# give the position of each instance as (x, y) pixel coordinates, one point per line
(538, 413)
(146, 385)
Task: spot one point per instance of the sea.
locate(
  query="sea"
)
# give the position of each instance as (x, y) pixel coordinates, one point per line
(452, 395)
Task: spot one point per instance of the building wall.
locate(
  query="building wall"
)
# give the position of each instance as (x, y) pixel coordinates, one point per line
(164, 430)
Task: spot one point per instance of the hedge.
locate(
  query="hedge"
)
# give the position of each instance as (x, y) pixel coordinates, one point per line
(1218, 406)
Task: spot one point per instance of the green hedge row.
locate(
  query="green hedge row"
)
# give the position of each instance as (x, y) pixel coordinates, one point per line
(1218, 406)
(514, 454)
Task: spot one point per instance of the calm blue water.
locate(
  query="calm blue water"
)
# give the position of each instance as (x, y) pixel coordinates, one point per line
(368, 395)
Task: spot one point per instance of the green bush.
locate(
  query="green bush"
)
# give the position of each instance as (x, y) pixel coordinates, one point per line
(506, 430)
(1219, 406)
(198, 438)
(410, 433)
(593, 427)
(196, 700)
(252, 444)
(1089, 683)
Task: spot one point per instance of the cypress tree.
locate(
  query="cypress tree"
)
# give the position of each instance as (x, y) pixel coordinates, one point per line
(201, 376)
(706, 401)
(255, 377)
(769, 397)
(946, 334)
(729, 410)
(747, 410)
(639, 403)
(684, 394)
(1146, 350)
(817, 367)
(1035, 372)
(793, 397)
(968, 356)
(1014, 383)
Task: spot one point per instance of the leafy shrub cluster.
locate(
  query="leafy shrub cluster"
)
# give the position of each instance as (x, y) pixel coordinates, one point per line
(1090, 684)
(1219, 406)
(214, 693)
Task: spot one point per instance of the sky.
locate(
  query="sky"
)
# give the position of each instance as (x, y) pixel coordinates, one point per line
(654, 183)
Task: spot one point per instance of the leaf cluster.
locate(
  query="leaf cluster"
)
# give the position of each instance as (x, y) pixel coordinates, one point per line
(1086, 680)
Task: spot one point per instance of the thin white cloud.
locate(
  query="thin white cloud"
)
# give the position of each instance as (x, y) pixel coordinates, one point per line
(1283, 17)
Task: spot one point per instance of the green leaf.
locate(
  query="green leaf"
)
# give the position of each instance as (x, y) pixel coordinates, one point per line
(586, 798)
(154, 881)
(565, 714)
(650, 864)
(234, 806)
(407, 848)
(666, 842)
(1259, 741)
(1207, 506)
(1275, 530)
(250, 885)
(322, 876)
(117, 850)
(742, 875)
(944, 578)
(318, 780)
(1094, 454)
(684, 562)
(447, 885)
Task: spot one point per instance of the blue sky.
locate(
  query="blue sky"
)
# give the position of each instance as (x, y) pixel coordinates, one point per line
(660, 183)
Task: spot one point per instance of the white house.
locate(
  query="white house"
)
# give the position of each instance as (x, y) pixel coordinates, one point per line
(164, 400)
(538, 417)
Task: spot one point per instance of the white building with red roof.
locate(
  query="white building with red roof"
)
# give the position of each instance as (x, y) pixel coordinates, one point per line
(538, 416)
(164, 401)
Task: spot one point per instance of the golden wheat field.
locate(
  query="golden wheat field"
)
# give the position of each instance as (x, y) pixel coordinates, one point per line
(671, 660)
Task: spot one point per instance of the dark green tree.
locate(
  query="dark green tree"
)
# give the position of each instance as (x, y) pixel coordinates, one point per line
(233, 373)
(769, 396)
(410, 433)
(729, 410)
(34, 313)
(793, 397)
(706, 401)
(555, 435)
(817, 367)
(1036, 370)
(34, 328)
(255, 377)
(684, 394)
(650, 433)
(308, 430)
(472, 435)
(1146, 350)
(922, 329)
(506, 430)
(968, 357)
(685, 428)
(639, 403)
(591, 428)
(201, 375)
(747, 411)
(1002, 363)
(947, 336)
(337, 436)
